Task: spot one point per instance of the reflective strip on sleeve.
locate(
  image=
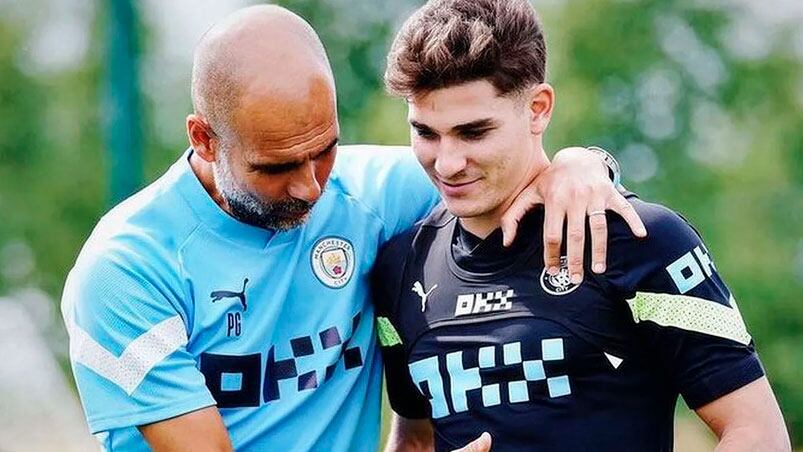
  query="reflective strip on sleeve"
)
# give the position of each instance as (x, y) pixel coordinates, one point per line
(388, 336)
(140, 356)
(691, 314)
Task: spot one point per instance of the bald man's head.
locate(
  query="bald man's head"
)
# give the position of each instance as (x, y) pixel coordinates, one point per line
(264, 131)
(260, 50)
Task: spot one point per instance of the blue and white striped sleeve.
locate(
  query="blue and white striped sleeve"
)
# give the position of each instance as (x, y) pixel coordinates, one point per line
(128, 339)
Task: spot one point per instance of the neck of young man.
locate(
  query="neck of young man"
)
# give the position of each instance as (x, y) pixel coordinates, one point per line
(483, 225)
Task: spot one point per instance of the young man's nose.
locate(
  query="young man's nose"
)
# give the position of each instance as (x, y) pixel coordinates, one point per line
(449, 162)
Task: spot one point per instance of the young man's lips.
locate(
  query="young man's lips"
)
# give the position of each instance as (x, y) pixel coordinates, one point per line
(450, 189)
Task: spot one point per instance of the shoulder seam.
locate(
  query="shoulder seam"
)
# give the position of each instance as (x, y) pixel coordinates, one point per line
(345, 193)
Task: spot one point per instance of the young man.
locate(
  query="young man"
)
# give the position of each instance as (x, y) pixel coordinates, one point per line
(480, 338)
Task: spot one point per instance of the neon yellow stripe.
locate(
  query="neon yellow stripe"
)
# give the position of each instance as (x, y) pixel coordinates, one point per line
(388, 336)
(691, 314)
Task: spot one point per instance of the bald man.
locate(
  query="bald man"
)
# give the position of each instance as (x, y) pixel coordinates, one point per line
(216, 309)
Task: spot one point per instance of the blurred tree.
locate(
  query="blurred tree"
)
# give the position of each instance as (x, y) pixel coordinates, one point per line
(50, 161)
(19, 120)
(355, 33)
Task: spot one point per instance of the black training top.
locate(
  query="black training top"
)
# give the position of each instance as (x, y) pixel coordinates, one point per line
(480, 338)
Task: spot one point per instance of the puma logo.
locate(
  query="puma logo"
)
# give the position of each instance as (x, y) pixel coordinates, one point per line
(419, 289)
(221, 294)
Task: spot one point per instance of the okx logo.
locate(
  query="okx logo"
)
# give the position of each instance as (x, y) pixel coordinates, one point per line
(238, 381)
(691, 269)
(480, 303)
(462, 380)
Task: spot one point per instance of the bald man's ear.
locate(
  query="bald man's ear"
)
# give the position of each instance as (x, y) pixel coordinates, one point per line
(542, 101)
(201, 136)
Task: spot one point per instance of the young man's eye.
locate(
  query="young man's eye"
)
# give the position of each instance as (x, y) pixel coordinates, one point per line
(425, 133)
(472, 135)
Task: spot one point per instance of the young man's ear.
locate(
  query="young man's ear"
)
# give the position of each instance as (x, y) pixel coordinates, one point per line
(542, 101)
(201, 136)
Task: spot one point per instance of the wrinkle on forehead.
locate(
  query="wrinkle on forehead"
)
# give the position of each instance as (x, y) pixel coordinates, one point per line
(322, 133)
(280, 152)
(281, 120)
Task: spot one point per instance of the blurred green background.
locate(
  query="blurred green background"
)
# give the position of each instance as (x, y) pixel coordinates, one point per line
(701, 101)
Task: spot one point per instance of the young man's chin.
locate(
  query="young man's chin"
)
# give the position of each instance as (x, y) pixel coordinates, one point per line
(463, 208)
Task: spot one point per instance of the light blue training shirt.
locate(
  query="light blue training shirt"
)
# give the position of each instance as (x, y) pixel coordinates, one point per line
(173, 305)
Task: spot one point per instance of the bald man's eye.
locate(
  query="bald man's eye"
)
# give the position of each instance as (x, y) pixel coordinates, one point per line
(275, 169)
(327, 152)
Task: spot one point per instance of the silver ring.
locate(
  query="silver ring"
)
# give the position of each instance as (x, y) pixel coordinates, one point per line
(596, 212)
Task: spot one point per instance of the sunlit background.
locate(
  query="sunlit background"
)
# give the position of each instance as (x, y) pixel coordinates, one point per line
(700, 100)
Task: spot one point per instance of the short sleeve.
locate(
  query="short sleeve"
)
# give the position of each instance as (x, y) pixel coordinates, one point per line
(683, 307)
(391, 182)
(128, 344)
(405, 398)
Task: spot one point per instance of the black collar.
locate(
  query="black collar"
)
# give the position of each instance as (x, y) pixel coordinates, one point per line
(489, 256)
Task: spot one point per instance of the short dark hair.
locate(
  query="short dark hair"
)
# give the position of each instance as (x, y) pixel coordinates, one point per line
(450, 42)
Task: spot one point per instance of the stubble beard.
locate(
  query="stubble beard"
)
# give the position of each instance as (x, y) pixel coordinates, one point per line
(281, 215)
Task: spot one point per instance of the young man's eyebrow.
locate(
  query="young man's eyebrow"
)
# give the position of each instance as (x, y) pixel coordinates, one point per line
(419, 125)
(473, 125)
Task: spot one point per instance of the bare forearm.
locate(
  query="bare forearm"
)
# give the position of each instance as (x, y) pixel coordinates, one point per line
(747, 419)
(202, 431)
(401, 445)
(751, 440)
(409, 435)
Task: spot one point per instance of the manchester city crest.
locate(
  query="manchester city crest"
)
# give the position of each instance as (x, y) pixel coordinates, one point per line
(333, 261)
(559, 284)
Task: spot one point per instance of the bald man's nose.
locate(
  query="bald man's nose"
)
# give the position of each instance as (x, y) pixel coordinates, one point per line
(304, 185)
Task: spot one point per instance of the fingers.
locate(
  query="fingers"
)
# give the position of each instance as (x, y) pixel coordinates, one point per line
(575, 243)
(599, 235)
(525, 201)
(553, 236)
(619, 204)
(481, 444)
(510, 224)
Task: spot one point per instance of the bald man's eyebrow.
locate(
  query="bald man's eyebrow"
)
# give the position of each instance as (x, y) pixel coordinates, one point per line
(278, 168)
(327, 149)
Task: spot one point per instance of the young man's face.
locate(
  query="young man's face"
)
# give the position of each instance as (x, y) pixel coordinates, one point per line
(479, 148)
